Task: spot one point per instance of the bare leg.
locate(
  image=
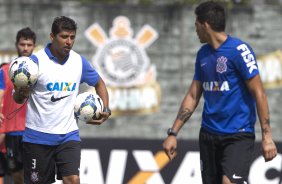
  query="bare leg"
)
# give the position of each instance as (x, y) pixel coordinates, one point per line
(225, 180)
(18, 177)
(1, 180)
(73, 179)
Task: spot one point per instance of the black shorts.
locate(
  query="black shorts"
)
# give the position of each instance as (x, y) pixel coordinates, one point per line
(229, 155)
(3, 164)
(43, 162)
(14, 148)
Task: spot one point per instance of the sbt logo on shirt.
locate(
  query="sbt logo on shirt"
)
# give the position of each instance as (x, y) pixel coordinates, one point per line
(248, 57)
(216, 86)
(61, 86)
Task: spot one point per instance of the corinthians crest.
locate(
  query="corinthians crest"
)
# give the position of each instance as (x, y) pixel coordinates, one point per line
(121, 59)
(221, 64)
(123, 63)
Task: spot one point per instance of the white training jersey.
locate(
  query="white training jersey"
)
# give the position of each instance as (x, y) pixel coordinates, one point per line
(51, 103)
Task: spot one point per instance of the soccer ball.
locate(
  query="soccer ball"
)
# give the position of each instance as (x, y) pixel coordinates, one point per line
(23, 71)
(88, 106)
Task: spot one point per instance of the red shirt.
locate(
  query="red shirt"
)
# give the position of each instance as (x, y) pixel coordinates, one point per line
(16, 121)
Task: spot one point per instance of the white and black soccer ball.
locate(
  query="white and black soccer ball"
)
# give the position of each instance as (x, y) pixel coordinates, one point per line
(23, 71)
(88, 106)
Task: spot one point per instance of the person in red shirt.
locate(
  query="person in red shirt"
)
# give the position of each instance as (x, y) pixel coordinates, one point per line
(12, 116)
(3, 162)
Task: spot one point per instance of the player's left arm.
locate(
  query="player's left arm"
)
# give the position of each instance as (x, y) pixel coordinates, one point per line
(102, 91)
(92, 78)
(255, 86)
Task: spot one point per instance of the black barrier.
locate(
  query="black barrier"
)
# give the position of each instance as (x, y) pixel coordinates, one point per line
(107, 161)
(124, 161)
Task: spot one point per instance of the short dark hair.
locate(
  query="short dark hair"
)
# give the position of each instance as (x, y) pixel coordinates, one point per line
(212, 13)
(63, 23)
(26, 33)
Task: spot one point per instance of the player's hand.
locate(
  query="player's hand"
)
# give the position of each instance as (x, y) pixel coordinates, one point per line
(169, 146)
(21, 93)
(24, 92)
(269, 150)
(103, 117)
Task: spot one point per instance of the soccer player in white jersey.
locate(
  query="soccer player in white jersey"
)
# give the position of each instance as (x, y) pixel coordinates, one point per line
(51, 140)
(226, 74)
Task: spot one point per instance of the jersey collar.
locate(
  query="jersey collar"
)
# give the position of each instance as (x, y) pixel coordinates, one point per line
(50, 55)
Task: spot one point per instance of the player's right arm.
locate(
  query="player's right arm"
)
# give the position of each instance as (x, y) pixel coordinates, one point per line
(188, 106)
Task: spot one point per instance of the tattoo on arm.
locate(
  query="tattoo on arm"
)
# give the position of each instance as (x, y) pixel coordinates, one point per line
(267, 121)
(266, 129)
(184, 114)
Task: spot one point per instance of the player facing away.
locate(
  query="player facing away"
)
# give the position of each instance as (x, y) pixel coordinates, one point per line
(13, 124)
(227, 75)
(51, 140)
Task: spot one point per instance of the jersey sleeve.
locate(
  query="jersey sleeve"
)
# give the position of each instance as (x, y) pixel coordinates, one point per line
(197, 73)
(2, 84)
(245, 61)
(89, 75)
(34, 58)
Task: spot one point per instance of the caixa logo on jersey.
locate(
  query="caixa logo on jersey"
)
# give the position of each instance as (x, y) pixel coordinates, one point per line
(123, 63)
